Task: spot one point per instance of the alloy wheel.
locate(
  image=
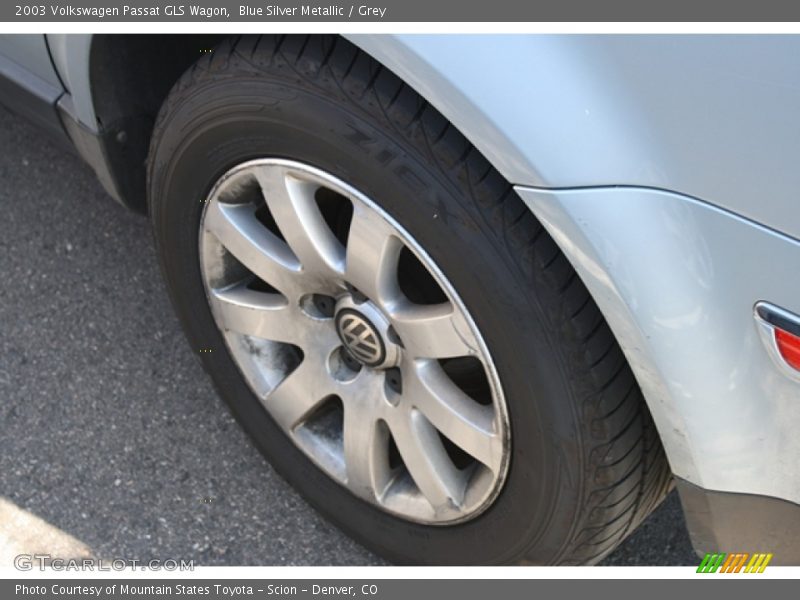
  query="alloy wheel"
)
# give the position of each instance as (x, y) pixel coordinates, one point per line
(354, 341)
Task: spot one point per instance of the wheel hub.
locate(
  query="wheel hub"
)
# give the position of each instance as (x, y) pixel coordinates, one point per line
(365, 333)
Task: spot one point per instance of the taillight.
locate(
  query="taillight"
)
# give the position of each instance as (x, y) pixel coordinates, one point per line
(789, 347)
(780, 331)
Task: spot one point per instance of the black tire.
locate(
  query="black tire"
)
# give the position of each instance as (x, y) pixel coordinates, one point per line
(587, 465)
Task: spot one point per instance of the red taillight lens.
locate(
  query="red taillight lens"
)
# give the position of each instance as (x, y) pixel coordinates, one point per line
(789, 347)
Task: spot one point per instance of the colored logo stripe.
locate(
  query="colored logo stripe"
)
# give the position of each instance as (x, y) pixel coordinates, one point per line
(734, 563)
(758, 563)
(711, 563)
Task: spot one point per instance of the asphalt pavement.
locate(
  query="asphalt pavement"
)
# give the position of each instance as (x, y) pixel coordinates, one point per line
(110, 431)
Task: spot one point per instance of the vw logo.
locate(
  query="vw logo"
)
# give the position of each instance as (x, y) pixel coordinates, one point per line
(360, 337)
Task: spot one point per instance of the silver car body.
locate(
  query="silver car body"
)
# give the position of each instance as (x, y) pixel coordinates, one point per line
(666, 168)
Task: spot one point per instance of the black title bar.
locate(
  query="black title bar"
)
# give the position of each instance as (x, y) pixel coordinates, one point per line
(469, 11)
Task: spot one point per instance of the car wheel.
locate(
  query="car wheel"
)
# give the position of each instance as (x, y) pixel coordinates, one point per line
(395, 330)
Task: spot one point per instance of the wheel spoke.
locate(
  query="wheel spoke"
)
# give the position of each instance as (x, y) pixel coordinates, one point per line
(427, 461)
(366, 440)
(292, 204)
(299, 394)
(373, 252)
(433, 331)
(467, 424)
(238, 230)
(255, 313)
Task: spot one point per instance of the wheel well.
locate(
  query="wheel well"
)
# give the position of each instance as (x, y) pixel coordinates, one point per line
(131, 76)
